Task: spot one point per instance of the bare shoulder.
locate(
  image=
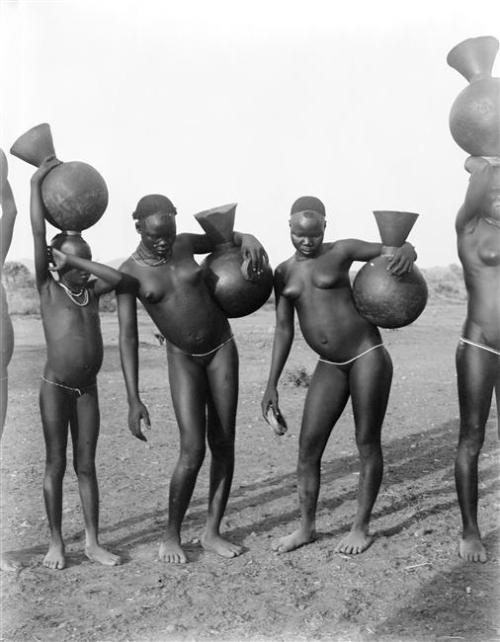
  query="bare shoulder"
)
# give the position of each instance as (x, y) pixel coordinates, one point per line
(283, 269)
(128, 267)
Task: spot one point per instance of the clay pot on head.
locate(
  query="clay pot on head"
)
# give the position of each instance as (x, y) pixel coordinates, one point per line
(382, 298)
(475, 115)
(235, 288)
(74, 193)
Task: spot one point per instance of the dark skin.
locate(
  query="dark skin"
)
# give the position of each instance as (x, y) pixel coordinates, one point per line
(204, 389)
(478, 371)
(315, 283)
(9, 213)
(74, 357)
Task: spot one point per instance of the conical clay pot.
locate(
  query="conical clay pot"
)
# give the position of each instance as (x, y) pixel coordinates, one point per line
(475, 115)
(382, 298)
(75, 195)
(236, 291)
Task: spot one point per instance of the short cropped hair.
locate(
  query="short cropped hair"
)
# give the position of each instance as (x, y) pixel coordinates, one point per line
(308, 204)
(151, 204)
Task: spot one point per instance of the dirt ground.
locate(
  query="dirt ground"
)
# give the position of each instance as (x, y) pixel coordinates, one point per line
(409, 585)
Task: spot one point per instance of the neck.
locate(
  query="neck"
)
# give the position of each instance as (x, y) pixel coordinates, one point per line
(145, 256)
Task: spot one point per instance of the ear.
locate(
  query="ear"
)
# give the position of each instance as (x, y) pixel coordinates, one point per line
(138, 227)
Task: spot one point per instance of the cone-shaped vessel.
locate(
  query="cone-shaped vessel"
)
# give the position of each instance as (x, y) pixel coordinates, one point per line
(383, 299)
(237, 290)
(394, 226)
(218, 223)
(475, 114)
(34, 145)
(74, 193)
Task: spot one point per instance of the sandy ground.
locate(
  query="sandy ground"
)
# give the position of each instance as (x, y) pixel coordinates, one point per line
(409, 585)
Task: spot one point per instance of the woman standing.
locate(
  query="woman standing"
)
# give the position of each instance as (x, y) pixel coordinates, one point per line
(353, 362)
(202, 362)
(9, 212)
(478, 352)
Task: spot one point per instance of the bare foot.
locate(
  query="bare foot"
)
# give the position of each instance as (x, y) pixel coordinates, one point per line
(294, 540)
(471, 549)
(171, 552)
(9, 565)
(356, 542)
(221, 546)
(96, 553)
(55, 558)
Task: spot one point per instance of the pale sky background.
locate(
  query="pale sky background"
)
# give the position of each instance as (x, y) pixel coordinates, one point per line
(257, 102)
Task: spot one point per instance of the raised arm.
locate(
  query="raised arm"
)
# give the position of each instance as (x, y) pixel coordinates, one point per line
(283, 339)
(107, 277)
(129, 356)
(37, 214)
(483, 175)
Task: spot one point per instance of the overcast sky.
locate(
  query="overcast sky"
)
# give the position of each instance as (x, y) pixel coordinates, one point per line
(256, 102)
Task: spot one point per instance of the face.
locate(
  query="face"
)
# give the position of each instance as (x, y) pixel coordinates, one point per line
(158, 233)
(307, 231)
(72, 276)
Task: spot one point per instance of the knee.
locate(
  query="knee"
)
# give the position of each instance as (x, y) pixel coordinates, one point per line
(191, 458)
(368, 447)
(84, 469)
(55, 465)
(222, 447)
(471, 439)
(308, 457)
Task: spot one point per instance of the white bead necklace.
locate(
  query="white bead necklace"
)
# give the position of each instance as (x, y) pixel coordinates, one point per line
(75, 295)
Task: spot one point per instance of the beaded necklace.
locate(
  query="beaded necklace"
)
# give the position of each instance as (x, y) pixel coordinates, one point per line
(74, 296)
(143, 256)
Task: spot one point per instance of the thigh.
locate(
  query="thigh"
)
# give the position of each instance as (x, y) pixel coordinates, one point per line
(55, 410)
(370, 380)
(326, 399)
(223, 377)
(85, 422)
(189, 388)
(477, 374)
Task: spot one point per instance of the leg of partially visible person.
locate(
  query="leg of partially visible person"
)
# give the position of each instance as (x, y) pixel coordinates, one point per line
(55, 408)
(188, 386)
(325, 401)
(221, 419)
(6, 564)
(84, 422)
(4, 391)
(370, 383)
(476, 374)
(6, 350)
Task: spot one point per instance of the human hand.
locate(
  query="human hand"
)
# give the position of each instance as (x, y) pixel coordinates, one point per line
(402, 260)
(138, 412)
(46, 166)
(272, 413)
(255, 257)
(57, 259)
(269, 400)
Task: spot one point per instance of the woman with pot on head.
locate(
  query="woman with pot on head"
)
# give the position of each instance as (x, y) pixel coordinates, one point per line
(68, 392)
(353, 362)
(9, 213)
(202, 361)
(478, 353)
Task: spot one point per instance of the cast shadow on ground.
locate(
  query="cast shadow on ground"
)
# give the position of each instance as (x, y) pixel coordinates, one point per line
(406, 460)
(447, 606)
